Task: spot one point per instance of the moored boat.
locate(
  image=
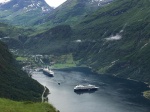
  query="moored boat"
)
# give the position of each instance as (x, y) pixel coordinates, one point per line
(48, 72)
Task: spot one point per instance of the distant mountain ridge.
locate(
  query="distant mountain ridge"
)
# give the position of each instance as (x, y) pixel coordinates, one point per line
(36, 12)
(23, 12)
(112, 40)
(25, 5)
(72, 11)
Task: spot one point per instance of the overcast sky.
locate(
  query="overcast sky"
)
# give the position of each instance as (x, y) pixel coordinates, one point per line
(55, 3)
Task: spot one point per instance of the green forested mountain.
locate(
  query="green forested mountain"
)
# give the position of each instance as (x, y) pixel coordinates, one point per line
(113, 40)
(24, 12)
(14, 83)
(14, 36)
(72, 12)
(50, 41)
(36, 12)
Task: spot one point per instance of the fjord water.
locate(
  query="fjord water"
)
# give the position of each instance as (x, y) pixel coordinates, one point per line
(114, 94)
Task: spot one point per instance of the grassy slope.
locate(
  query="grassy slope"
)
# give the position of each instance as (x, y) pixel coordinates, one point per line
(13, 106)
(127, 57)
(64, 61)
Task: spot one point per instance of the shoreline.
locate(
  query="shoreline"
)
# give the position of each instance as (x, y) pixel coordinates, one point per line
(45, 94)
(55, 100)
(145, 94)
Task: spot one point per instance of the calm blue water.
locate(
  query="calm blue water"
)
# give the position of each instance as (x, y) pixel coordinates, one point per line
(113, 95)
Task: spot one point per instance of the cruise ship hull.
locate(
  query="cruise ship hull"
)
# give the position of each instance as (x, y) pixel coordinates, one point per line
(84, 90)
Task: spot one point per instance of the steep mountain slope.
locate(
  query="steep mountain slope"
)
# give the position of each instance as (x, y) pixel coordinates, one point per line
(23, 12)
(72, 11)
(14, 83)
(13, 36)
(54, 40)
(115, 40)
(112, 40)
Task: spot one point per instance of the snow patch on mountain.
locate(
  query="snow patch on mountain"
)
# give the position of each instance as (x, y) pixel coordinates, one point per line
(25, 5)
(16, 5)
(100, 2)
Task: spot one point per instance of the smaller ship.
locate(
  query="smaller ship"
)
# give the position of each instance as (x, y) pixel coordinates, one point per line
(48, 72)
(88, 87)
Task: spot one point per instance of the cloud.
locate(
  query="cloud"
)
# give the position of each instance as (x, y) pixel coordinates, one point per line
(4, 1)
(116, 37)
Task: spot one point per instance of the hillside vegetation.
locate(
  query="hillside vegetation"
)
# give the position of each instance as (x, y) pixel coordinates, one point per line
(115, 39)
(14, 83)
(24, 12)
(54, 40)
(13, 106)
(14, 36)
(72, 12)
(112, 40)
(18, 86)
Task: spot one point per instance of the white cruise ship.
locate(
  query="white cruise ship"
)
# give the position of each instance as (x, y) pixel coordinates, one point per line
(85, 87)
(48, 72)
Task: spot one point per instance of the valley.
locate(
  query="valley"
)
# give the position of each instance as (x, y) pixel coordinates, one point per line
(111, 37)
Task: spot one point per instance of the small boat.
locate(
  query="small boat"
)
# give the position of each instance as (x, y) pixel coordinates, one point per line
(58, 83)
(48, 72)
(88, 87)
